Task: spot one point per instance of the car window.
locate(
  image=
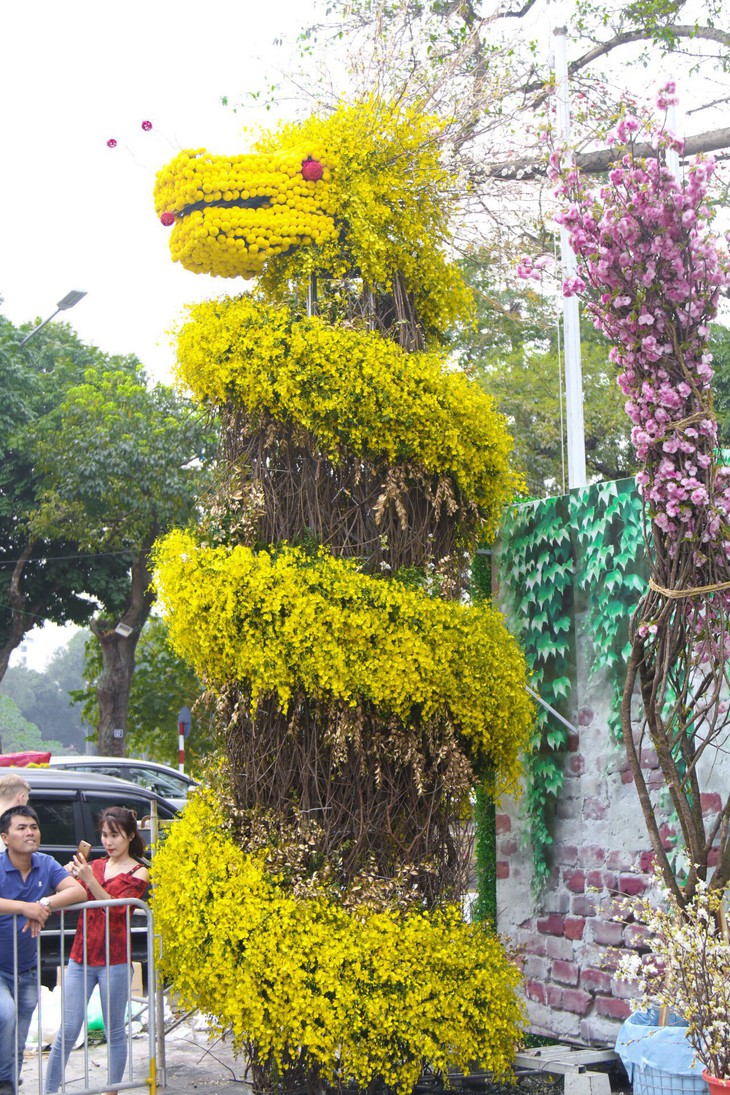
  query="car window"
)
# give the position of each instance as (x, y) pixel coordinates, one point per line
(98, 769)
(56, 819)
(162, 783)
(97, 802)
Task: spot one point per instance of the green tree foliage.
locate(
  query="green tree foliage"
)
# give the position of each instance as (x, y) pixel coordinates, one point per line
(515, 352)
(44, 697)
(43, 575)
(19, 735)
(161, 685)
(129, 470)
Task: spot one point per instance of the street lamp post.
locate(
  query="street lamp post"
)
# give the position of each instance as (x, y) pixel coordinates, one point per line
(63, 305)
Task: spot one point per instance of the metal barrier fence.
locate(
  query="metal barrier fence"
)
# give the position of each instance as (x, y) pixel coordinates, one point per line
(52, 951)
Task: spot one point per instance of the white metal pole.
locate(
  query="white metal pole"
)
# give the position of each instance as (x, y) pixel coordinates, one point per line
(672, 154)
(571, 318)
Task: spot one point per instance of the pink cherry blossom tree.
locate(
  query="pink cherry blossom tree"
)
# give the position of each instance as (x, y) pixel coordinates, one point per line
(651, 273)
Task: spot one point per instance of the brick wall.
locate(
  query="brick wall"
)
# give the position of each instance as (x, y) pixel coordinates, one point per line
(572, 935)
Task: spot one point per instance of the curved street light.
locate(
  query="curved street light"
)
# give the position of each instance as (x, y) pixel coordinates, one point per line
(63, 305)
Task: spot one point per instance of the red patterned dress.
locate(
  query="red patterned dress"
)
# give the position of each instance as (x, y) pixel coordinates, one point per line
(121, 885)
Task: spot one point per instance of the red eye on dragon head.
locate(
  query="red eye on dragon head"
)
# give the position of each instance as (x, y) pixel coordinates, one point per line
(312, 170)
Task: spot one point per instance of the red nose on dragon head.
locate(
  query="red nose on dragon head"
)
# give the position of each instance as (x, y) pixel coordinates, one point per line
(231, 213)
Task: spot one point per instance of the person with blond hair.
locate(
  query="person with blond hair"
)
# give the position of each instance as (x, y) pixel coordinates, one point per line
(14, 791)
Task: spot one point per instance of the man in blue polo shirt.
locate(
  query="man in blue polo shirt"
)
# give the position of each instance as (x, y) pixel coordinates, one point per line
(32, 886)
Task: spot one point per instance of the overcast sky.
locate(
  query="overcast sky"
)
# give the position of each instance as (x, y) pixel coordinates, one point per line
(77, 215)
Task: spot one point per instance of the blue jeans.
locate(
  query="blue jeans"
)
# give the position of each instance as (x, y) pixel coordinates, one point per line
(113, 982)
(27, 998)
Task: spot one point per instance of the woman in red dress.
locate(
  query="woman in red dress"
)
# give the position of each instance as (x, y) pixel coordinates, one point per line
(99, 956)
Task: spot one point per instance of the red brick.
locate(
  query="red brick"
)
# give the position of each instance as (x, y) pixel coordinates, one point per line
(573, 742)
(585, 716)
(668, 836)
(554, 996)
(551, 925)
(612, 1009)
(502, 868)
(594, 809)
(713, 857)
(593, 980)
(627, 776)
(503, 823)
(711, 803)
(583, 906)
(566, 855)
(655, 779)
(636, 936)
(577, 1001)
(566, 973)
(592, 855)
(624, 990)
(646, 861)
(594, 880)
(575, 881)
(534, 945)
(649, 758)
(576, 764)
(574, 927)
(608, 932)
(610, 881)
(632, 884)
(508, 846)
(536, 991)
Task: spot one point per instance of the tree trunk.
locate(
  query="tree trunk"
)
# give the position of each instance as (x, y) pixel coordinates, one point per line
(112, 690)
(117, 649)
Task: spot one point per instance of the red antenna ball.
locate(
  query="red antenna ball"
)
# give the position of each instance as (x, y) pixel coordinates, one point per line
(167, 219)
(146, 126)
(312, 170)
(111, 143)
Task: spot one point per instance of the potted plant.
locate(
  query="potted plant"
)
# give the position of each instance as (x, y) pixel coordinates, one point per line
(687, 973)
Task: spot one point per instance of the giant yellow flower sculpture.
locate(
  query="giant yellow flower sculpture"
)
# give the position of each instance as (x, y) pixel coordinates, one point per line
(360, 696)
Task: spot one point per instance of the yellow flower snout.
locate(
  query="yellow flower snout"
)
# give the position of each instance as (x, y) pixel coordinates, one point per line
(230, 214)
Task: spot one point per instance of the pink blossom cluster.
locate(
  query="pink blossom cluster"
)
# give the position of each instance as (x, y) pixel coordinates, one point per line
(651, 273)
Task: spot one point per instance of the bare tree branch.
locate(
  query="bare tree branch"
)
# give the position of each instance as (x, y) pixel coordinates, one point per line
(690, 31)
(595, 163)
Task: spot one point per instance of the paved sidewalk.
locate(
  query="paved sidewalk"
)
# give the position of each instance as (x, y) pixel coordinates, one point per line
(201, 1065)
(196, 1064)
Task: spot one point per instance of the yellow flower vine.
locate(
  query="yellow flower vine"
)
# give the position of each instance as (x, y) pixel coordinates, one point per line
(359, 994)
(381, 207)
(353, 389)
(289, 621)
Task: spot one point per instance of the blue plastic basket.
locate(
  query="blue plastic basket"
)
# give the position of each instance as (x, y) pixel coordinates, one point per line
(659, 1060)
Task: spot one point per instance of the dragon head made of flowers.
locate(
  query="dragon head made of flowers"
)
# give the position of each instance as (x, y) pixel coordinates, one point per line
(231, 214)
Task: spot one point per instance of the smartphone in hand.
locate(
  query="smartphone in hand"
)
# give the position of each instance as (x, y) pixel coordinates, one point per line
(84, 848)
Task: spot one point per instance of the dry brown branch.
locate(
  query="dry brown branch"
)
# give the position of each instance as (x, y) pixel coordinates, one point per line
(387, 517)
(340, 796)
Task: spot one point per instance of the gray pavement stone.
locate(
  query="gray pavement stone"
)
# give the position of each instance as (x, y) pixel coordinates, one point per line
(196, 1064)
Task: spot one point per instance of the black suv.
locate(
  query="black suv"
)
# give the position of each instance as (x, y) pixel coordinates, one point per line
(68, 804)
